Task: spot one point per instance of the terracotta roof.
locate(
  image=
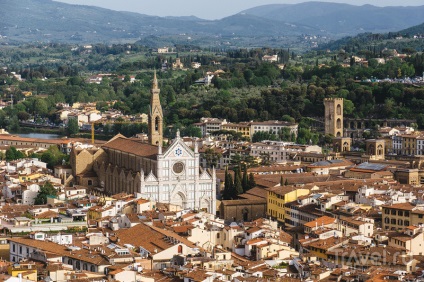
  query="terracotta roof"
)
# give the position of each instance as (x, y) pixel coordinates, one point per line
(282, 190)
(324, 220)
(142, 201)
(152, 237)
(400, 206)
(255, 241)
(83, 254)
(198, 275)
(253, 229)
(182, 228)
(133, 147)
(47, 214)
(243, 202)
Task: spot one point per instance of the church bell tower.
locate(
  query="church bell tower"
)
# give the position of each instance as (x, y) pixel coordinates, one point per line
(155, 115)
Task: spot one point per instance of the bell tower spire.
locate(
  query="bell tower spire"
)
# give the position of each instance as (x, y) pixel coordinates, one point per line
(155, 115)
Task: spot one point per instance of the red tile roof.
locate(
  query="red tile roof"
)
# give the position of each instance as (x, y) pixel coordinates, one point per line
(133, 147)
(324, 220)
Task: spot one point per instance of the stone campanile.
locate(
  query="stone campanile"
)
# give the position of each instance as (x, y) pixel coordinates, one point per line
(155, 115)
(334, 116)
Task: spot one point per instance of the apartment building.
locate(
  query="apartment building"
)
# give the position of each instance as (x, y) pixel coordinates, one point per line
(401, 215)
(210, 125)
(247, 129)
(279, 151)
(280, 195)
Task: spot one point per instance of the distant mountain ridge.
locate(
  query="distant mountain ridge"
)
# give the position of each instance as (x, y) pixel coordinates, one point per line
(47, 20)
(413, 39)
(343, 19)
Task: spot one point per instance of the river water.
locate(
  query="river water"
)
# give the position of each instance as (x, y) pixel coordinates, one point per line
(39, 135)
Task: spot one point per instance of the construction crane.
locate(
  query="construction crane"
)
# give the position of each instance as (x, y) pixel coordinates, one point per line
(109, 122)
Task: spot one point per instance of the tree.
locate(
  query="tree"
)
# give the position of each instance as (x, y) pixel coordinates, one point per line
(265, 159)
(228, 192)
(13, 154)
(287, 118)
(252, 182)
(192, 131)
(46, 190)
(238, 188)
(245, 179)
(53, 156)
(72, 127)
(212, 157)
(22, 115)
(13, 124)
(348, 107)
(263, 135)
(40, 107)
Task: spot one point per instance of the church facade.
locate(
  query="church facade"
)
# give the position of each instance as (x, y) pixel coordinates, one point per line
(167, 175)
(179, 179)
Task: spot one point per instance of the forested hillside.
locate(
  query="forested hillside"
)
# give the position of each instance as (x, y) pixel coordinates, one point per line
(245, 89)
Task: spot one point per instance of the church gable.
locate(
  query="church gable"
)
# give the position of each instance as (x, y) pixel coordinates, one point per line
(179, 149)
(151, 178)
(156, 111)
(205, 175)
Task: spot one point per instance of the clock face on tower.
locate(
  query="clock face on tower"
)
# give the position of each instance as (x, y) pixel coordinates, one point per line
(178, 167)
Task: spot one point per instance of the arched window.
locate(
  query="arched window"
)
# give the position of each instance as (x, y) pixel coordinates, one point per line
(92, 268)
(339, 123)
(157, 123)
(380, 150)
(339, 109)
(386, 220)
(393, 221)
(400, 222)
(180, 249)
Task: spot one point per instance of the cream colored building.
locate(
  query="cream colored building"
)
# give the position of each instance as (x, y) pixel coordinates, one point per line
(412, 240)
(334, 116)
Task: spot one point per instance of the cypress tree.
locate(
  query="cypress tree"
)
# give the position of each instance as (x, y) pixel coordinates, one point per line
(238, 188)
(231, 191)
(252, 182)
(245, 181)
(281, 181)
(226, 195)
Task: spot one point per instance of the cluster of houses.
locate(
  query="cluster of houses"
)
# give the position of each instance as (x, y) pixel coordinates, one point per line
(87, 113)
(310, 216)
(312, 227)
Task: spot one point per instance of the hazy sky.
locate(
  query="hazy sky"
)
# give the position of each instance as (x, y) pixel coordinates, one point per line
(213, 9)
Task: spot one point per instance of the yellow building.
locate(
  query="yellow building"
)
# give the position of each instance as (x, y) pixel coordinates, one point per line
(409, 143)
(278, 196)
(30, 177)
(27, 270)
(243, 128)
(320, 248)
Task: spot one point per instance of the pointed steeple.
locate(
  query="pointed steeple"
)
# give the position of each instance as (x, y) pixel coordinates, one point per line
(155, 82)
(155, 115)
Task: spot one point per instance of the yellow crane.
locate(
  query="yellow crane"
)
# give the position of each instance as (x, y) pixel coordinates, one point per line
(109, 122)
